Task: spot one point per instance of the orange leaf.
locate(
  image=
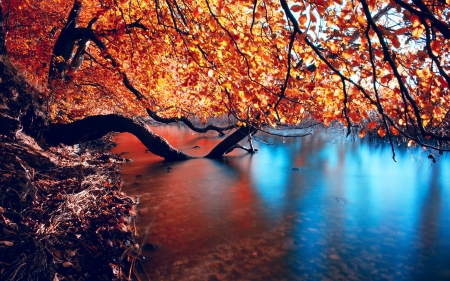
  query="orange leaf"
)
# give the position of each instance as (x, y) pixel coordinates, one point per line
(436, 47)
(302, 36)
(395, 42)
(335, 77)
(415, 20)
(296, 8)
(346, 55)
(394, 131)
(302, 20)
(361, 20)
(416, 32)
(381, 132)
(362, 133)
(372, 125)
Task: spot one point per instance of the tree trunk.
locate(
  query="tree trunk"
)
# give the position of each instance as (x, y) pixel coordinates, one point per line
(65, 44)
(230, 142)
(94, 127)
(21, 107)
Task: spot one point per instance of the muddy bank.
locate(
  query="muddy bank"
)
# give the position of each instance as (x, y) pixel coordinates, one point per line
(62, 213)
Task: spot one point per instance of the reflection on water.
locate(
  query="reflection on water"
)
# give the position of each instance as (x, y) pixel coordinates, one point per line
(317, 208)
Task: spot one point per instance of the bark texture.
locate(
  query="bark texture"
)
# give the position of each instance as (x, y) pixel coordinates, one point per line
(95, 127)
(230, 142)
(21, 108)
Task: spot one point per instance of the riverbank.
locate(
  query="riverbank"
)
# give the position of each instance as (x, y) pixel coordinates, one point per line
(63, 215)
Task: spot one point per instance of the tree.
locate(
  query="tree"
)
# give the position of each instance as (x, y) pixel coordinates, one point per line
(372, 65)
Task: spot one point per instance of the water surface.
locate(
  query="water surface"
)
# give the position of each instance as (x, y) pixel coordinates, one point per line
(323, 207)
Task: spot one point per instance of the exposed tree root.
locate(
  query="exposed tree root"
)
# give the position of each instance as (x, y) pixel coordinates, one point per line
(63, 216)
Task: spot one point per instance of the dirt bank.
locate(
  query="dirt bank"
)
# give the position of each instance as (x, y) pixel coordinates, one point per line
(62, 213)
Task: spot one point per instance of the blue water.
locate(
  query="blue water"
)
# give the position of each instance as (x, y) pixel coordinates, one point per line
(322, 207)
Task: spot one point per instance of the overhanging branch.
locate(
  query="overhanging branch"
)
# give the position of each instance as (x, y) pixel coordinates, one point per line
(95, 127)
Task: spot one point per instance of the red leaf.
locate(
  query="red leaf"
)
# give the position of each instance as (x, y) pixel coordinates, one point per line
(362, 133)
(382, 132)
(372, 125)
(296, 8)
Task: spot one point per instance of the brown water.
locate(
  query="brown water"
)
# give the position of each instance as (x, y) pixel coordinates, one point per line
(346, 212)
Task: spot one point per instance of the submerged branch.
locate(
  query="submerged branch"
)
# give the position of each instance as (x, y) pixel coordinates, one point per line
(231, 141)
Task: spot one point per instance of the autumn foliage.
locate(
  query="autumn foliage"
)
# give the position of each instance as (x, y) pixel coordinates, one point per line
(378, 65)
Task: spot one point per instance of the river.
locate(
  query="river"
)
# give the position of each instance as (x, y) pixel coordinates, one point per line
(322, 207)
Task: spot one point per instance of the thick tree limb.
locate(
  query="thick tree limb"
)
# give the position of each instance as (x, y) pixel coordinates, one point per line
(231, 141)
(128, 27)
(188, 123)
(249, 150)
(78, 58)
(65, 44)
(94, 127)
(76, 133)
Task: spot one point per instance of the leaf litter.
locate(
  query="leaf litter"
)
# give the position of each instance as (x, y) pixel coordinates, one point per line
(63, 215)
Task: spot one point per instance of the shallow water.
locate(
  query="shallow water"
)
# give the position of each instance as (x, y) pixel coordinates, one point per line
(321, 207)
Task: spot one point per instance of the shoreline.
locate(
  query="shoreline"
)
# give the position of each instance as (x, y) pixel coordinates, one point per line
(63, 215)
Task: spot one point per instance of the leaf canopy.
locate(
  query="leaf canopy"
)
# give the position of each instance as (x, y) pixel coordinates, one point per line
(385, 63)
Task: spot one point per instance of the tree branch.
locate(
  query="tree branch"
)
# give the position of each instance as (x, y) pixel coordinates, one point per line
(397, 75)
(95, 127)
(442, 27)
(188, 123)
(231, 141)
